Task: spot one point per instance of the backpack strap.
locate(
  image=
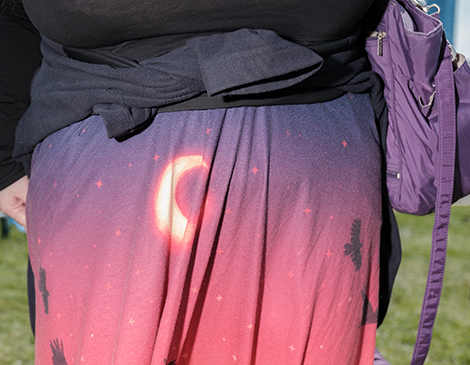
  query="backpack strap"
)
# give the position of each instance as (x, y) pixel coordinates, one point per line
(446, 104)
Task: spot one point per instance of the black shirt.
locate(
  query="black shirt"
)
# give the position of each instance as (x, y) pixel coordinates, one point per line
(100, 23)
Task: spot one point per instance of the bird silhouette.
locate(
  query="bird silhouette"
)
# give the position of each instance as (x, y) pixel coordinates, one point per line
(353, 249)
(58, 357)
(43, 289)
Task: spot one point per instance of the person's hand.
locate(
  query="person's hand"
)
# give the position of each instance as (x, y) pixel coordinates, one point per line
(13, 200)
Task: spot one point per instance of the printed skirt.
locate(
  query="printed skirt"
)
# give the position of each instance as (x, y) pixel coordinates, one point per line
(228, 236)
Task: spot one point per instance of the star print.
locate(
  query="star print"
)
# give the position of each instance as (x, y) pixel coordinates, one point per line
(130, 165)
(39, 241)
(250, 326)
(234, 358)
(219, 298)
(208, 131)
(50, 145)
(156, 157)
(194, 290)
(58, 315)
(288, 133)
(138, 272)
(255, 170)
(82, 359)
(220, 251)
(290, 274)
(184, 356)
(329, 253)
(131, 321)
(99, 184)
(292, 348)
(118, 233)
(55, 184)
(307, 211)
(108, 286)
(86, 267)
(228, 211)
(344, 144)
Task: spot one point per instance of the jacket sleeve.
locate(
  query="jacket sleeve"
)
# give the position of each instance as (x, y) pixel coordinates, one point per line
(20, 56)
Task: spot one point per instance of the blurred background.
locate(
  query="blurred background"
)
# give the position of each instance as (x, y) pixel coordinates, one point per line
(455, 14)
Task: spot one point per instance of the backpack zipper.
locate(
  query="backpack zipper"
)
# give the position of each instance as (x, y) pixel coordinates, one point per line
(380, 35)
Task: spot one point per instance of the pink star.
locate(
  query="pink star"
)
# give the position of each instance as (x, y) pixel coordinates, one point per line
(288, 133)
(55, 184)
(59, 315)
(344, 144)
(307, 211)
(131, 321)
(291, 274)
(292, 348)
(82, 359)
(85, 267)
(118, 233)
(194, 290)
(138, 272)
(156, 157)
(99, 184)
(219, 298)
(184, 356)
(39, 241)
(220, 251)
(208, 131)
(234, 358)
(50, 145)
(108, 286)
(228, 211)
(255, 170)
(329, 253)
(250, 326)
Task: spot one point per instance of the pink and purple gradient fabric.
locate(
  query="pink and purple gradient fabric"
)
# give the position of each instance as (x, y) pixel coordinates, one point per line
(240, 236)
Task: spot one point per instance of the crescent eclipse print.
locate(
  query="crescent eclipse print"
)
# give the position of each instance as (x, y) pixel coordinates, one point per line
(170, 220)
(247, 235)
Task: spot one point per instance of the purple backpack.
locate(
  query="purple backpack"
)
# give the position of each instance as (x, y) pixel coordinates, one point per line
(428, 137)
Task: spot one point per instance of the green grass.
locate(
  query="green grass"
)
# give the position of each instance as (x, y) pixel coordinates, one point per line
(451, 340)
(16, 339)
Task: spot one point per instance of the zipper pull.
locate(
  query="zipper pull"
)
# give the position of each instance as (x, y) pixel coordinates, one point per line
(380, 37)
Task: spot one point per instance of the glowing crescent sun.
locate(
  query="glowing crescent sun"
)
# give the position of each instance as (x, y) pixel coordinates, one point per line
(169, 218)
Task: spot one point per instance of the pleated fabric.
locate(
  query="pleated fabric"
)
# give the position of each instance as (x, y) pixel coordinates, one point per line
(228, 236)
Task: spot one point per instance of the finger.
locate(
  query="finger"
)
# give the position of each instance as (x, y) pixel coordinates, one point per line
(19, 215)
